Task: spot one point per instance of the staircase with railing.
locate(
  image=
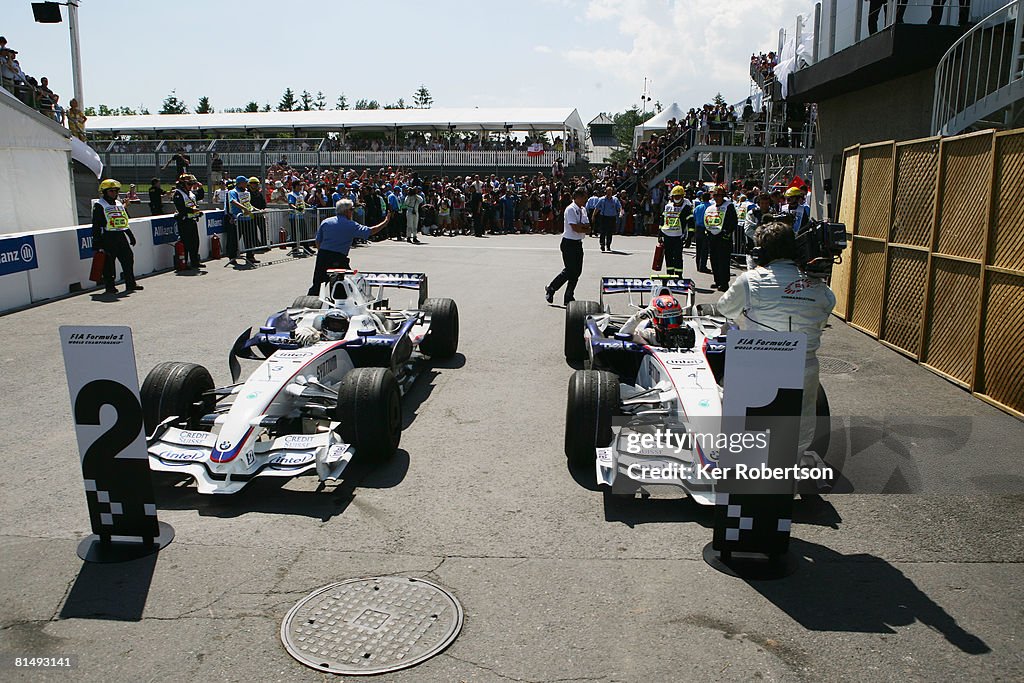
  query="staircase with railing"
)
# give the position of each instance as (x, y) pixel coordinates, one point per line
(981, 74)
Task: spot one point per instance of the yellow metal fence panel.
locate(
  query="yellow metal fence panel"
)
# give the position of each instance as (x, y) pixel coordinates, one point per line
(1006, 243)
(904, 300)
(1002, 350)
(965, 195)
(840, 281)
(874, 201)
(950, 335)
(868, 272)
(914, 204)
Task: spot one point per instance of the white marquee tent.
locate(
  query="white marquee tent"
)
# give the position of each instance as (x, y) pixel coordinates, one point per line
(658, 122)
(333, 120)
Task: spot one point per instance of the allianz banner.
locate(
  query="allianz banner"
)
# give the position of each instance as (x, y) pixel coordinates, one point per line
(84, 243)
(214, 222)
(165, 230)
(18, 254)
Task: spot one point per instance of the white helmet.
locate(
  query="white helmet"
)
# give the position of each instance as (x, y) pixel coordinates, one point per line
(335, 325)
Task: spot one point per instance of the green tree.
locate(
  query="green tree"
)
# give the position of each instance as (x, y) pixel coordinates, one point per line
(251, 107)
(287, 102)
(342, 102)
(320, 103)
(422, 98)
(266, 107)
(90, 112)
(204, 106)
(307, 101)
(367, 104)
(400, 104)
(718, 99)
(623, 124)
(172, 105)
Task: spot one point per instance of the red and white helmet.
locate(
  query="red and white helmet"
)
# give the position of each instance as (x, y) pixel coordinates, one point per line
(668, 314)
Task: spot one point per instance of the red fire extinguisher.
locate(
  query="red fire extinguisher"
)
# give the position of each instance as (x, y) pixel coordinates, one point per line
(215, 246)
(282, 237)
(99, 258)
(659, 257)
(179, 256)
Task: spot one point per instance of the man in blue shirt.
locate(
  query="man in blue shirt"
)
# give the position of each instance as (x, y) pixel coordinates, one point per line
(702, 238)
(334, 239)
(604, 216)
(397, 212)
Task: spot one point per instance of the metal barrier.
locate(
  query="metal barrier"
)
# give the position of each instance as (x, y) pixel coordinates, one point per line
(241, 158)
(981, 73)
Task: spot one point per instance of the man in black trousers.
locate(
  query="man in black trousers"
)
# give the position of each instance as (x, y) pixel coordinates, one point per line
(576, 226)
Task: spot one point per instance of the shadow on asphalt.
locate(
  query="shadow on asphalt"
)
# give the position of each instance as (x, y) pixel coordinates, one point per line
(269, 496)
(116, 591)
(858, 593)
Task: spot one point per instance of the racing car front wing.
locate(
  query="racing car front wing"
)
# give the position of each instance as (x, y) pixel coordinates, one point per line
(189, 452)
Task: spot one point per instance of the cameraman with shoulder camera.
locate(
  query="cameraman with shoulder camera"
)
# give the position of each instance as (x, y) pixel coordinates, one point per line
(779, 295)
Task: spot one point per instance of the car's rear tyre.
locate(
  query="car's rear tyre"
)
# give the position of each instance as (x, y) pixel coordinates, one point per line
(593, 401)
(370, 412)
(575, 321)
(307, 302)
(175, 388)
(442, 340)
(822, 425)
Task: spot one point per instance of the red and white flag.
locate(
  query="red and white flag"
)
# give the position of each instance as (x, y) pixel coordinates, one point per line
(535, 150)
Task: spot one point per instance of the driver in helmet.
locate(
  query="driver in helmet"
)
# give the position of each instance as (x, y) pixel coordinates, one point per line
(331, 326)
(654, 325)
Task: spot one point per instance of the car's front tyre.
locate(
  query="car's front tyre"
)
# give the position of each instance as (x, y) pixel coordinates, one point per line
(369, 411)
(175, 388)
(593, 401)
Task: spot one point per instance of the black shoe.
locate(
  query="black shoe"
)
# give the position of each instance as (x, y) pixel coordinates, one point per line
(549, 295)
(135, 288)
(568, 301)
(199, 266)
(113, 290)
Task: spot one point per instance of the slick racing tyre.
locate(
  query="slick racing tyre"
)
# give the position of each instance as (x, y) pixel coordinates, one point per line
(442, 339)
(575, 320)
(370, 412)
(177, 389)
(593, 401)
(307, 302)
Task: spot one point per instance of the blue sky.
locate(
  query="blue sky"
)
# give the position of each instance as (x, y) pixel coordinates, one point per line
(588, 54)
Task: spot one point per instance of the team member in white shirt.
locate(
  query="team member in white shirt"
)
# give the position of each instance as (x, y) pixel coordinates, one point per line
(576, 226)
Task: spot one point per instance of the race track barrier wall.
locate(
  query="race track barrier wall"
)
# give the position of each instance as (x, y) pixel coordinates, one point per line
(935, 267)
(46, 264)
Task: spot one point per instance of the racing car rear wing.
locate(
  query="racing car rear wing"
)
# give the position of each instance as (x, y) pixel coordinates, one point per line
(654, 286)
(417, 281)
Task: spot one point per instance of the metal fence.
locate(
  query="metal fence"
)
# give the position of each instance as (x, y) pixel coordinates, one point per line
(935, 267)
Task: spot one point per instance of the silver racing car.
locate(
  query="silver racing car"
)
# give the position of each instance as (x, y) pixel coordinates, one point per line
(677, 379)
(328, 388)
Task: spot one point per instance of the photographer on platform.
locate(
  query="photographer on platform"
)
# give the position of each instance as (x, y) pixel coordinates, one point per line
(780, 296)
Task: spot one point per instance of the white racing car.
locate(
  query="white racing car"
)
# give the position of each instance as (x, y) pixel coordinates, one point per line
(333, 370)
(678, 382)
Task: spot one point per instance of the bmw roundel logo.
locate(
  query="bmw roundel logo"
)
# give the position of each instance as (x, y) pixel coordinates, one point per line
(224, 445)
(27, 252)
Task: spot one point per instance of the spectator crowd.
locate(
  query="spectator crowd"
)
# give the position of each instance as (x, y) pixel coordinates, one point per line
(37, 93)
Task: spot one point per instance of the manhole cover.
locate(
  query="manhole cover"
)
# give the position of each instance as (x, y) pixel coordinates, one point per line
(835, 366)
(371, 626)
